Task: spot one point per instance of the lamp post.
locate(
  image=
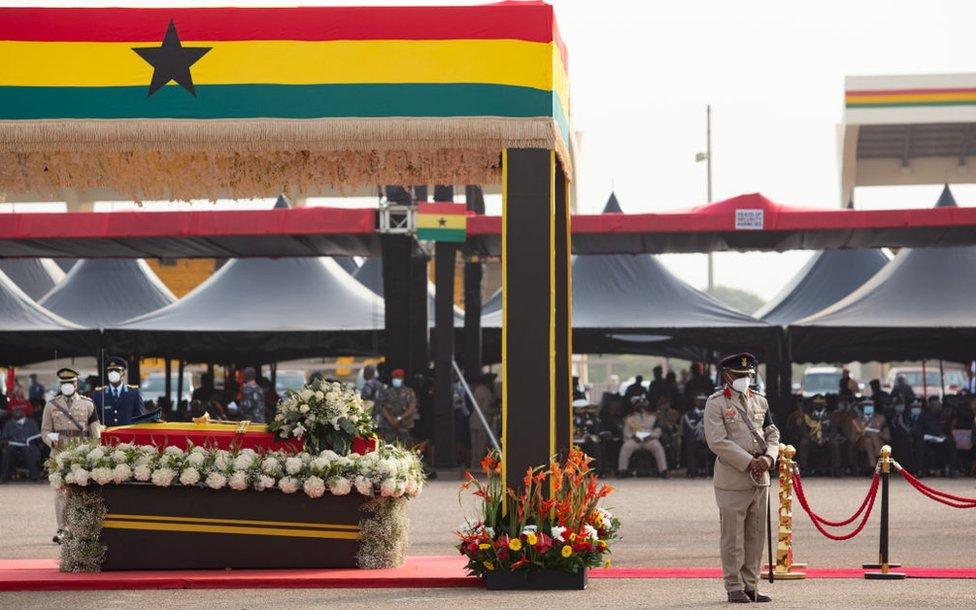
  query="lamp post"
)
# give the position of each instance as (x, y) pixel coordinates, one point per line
(707, 157)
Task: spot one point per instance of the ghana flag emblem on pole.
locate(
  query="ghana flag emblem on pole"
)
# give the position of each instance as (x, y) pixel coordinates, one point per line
(442, 222)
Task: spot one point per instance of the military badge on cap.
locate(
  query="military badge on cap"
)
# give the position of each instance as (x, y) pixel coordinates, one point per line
(740, 363)
(67, 375)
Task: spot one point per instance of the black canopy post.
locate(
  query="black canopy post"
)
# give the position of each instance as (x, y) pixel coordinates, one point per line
(473, 274)
(169, 380)
(444, 264)
(135, 376)
(179, 388)
(445, 254)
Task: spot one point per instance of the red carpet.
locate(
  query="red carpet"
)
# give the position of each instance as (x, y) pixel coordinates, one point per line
(416, 572)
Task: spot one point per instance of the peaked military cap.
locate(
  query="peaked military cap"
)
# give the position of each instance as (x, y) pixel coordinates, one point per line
(66, 375)
(116, 363)
(740, 363)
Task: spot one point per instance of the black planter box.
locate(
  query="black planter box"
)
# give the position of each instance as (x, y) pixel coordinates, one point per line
(536, 580)
(171, 528)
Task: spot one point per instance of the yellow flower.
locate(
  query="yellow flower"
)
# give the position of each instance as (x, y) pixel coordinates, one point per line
(531, 538)
(567, 551)
(484, 546)
(572, 537)
(489, 566)
(515, 544)
(606, 563)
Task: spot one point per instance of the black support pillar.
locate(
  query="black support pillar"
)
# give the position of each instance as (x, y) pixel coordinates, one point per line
(396, 250)
(445, 254)
(473, 273)
(535, 284)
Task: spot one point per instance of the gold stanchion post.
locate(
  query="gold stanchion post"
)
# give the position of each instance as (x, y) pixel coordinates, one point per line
(785, 568)
(885, 574)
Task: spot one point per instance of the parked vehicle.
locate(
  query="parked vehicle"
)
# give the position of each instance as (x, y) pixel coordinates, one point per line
(955, 379)
(289, 380)
(821, 380)
(154, 386)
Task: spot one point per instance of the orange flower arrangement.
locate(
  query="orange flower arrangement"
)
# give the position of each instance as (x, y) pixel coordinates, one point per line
(553, 522)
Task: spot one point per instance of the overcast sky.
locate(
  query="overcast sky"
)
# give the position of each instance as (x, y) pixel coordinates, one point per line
(641, 74)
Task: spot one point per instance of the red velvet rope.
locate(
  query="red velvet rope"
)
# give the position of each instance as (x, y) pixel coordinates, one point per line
(939, 496)
(866, 507)
(874, 483)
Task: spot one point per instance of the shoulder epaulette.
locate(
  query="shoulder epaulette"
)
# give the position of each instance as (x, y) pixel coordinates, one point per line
(134, 387)
(758, 393)
(100, 388)
(716, 393)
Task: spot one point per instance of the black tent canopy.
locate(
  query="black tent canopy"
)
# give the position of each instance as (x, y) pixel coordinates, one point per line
(30, 333)
(261, 309)
(98, 293)
(919, 306)
(35, 276)
(633, 304)
(370, 274)
(829, 276)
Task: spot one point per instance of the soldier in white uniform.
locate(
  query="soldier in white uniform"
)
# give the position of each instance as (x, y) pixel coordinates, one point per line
(739, 430)
(68, 416)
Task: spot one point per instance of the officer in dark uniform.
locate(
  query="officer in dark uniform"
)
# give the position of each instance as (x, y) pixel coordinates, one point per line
(117, 403)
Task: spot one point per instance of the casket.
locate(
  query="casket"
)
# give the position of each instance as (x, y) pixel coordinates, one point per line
(223, 435)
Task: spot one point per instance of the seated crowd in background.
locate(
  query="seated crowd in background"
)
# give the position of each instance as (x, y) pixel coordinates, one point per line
(835, 435)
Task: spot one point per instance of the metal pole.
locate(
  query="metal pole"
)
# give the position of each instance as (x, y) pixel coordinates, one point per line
(885, 573)
(708, 180)
(477, 409)
(941, 379)
(925, 382)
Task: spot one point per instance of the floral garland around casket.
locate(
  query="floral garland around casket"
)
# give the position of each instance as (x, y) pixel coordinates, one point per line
(390, 475)
(323, 415)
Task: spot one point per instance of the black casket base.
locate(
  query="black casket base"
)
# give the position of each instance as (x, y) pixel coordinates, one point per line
(152, 528)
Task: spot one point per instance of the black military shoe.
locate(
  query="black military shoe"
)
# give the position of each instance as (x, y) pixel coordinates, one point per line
(756, 596)
(738, 597)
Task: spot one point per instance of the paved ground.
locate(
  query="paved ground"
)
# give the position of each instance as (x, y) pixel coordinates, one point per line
(665, 523)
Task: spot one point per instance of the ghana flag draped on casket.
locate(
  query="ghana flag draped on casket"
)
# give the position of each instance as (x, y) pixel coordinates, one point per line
(319, 78)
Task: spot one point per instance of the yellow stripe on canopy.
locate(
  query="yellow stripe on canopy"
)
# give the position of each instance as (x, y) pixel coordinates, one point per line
(87, 64)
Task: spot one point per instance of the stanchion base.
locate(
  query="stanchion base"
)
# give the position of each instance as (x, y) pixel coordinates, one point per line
(795, 567)
(789, 575)
(884, 575)
(877, 566)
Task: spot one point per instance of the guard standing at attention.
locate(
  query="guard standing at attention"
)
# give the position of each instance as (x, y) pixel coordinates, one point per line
(67, 416)
(117, 404)
(739, 430)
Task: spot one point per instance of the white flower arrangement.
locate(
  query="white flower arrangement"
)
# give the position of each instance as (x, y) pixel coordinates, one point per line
(387, 472)
(323, 415)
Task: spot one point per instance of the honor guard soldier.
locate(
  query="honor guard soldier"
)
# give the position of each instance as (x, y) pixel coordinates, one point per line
(117, 404)
(739, 430)
(68, 416)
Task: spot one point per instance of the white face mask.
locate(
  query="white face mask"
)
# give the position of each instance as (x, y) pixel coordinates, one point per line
(21, 421)
(740, 384)
(67, 389)
(397, 382)
(114, 376)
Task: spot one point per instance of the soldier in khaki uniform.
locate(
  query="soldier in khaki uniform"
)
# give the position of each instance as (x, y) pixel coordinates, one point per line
(746, 451)
(67, 416)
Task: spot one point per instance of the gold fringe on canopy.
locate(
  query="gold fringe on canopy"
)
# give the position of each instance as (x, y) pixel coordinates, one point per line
(194, 159)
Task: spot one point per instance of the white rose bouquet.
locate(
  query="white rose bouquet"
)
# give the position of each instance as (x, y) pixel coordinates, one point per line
(324, 415)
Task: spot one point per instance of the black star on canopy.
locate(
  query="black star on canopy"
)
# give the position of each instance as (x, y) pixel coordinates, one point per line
(171, 61)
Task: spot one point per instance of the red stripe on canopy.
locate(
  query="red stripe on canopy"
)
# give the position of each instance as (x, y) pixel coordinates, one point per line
(530, 21)
(135, 224)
